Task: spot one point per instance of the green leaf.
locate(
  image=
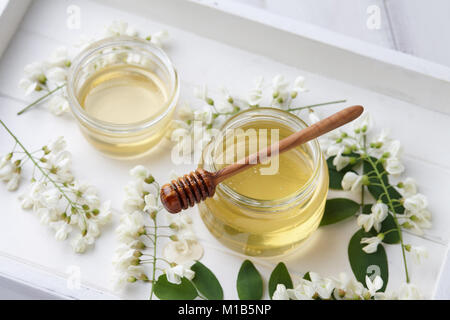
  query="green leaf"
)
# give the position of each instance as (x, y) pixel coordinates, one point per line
(307, 276)
(165, 290)
(249, 282)
(280, 275)
(338, 209)
(387, 225)
(206, 282)
(367, 264)
(335, 179)
(378, 192)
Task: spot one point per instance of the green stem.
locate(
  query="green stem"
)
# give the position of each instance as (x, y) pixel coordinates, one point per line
(154, 257)
(316, 105)
(394, 214)
(362, 187)
(36, 164)
(40, 99)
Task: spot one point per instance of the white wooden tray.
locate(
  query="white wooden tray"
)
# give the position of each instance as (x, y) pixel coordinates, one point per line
(223, 43)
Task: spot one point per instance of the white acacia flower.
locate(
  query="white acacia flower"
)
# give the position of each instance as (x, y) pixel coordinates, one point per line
(57, 145)
(151, 203)
(134, 200)
(56, 75)
(34, 78)
(57, 104)
(185, 112)
(7, 169)
(394, 149)
(105, 214)
(340, 161)
(59, 166)
(255, 95)
(372, 243)
(305, 290)
(226, 94)
(375, 218)
(313, 117)
(323, 286)
(120, 28)
(352, 181)
(140, 172)
(280, 293)
(205, 115)
(279, 85)
(159, 38)
(415, 203)
(14, 182)
(62, 229)
(375, 285)
(121, 277)
(187, 235)
(51, 197)
(175, 274)
(182, 251)
(409, 187)
(80, 243)
(363, 124)
(419, 253)
(201, 92)
(93, 229)
(59, 58)
(131, 226)
(31, 198)
(28, 85)
(46, 215)
(86, 192)
(394, 166)
(179, 221)
(420, 219)
(299, 85)
(124, 257)
(348, 288)
(409, 291)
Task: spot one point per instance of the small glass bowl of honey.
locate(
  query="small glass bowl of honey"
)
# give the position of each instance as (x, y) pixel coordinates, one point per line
(123, 92)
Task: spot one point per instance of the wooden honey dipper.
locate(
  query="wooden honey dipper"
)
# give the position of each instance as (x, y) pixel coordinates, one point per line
(200, 184)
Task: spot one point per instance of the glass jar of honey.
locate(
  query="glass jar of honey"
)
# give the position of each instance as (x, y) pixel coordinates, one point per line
(265, 210)
(123, 92)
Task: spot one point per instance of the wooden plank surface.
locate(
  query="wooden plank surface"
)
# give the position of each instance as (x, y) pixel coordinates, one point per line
(417, 27)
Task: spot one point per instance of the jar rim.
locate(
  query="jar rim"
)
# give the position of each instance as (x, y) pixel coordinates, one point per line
(126, 41)
(296, 197)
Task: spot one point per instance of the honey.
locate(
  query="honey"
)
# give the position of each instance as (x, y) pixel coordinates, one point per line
(123, 92)
(265, 214)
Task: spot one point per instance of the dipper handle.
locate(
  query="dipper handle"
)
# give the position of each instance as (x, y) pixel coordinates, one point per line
(200, 184)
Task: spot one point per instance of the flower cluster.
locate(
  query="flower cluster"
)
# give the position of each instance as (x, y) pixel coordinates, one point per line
(382, 156)
(50, 76)
(196, 126)
(372, 162)
(140, 230)
(61, 202)
(10, 171)
(313, 286)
